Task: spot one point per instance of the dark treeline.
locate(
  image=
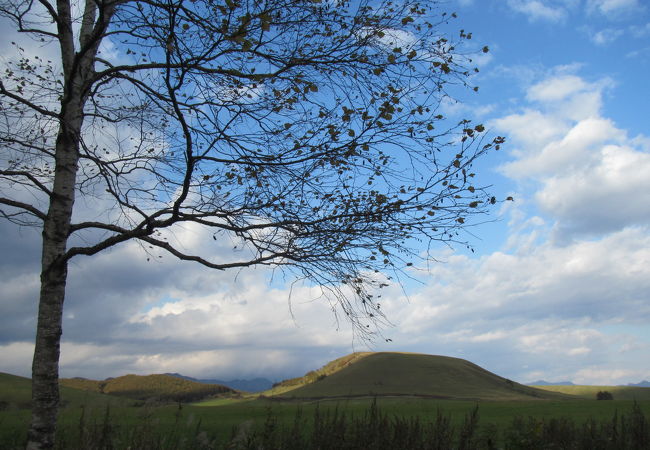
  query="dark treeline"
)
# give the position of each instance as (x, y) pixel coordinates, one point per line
(332, 429)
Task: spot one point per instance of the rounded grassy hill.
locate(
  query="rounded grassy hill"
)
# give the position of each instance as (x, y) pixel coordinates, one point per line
(408, 374)
(143, 387)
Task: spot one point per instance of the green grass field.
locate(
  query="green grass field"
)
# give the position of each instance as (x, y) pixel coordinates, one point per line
(220, 417)
(221, 422)
(405, 386)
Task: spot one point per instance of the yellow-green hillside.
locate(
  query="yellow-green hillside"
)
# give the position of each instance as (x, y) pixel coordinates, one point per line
(315, 375)
(16, 393)
(618, 392)
(405, 374)
(160, 387)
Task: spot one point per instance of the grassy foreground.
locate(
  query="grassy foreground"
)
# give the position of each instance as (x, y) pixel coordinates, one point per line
(361, 423)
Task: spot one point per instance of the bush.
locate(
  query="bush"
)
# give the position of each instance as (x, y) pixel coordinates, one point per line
(604, 395)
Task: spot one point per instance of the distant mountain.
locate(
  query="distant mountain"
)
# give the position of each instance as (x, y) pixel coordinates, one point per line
(550, 383)
(254, 385)
(644, 383)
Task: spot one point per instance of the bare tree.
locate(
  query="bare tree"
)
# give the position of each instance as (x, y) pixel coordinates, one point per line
(307, 131)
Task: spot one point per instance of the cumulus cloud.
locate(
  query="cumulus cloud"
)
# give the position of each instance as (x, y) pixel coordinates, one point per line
(16, 357)
(640, 31)
(611, 194)
(540, 309)
(588, 172)
(563, 298)
(125, 313)
(159, 314)
(606, 36)
(537, 10)
(556, 88)
(613, 7)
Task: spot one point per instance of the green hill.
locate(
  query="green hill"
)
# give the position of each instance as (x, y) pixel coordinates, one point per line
(405, 374)
(315, 375)
(16, 393)
(144, 387)
(618, 392)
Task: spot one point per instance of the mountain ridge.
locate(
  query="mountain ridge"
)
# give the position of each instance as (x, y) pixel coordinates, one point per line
(550, 383)
(247, 385)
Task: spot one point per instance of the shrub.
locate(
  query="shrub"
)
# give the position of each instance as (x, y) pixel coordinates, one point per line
(604, 395)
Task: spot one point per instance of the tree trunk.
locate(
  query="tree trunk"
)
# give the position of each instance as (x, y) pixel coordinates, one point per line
(45, 366)
(54, 272)
(78, 71)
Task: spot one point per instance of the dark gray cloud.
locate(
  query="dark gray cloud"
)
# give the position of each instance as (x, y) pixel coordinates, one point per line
(19, 282)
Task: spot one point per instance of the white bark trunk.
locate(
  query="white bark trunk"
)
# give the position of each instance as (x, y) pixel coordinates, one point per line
(77, 68)
(45, 366)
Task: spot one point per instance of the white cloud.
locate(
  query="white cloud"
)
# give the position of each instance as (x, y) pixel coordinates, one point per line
(607, 376)
(642, 54)
(489, 336)
(100, 361)
(575, 150)
(568, 96)
(16, 358)
(125, 314)
(606, 36)
(640, 31)
(563, 342)
(613, 7)
(588, 172)
(545, 308)
(540, 308)
(550, 302)
(538, 10)
(613, 193)
(556, 88)
(530, 128)
(391, 38)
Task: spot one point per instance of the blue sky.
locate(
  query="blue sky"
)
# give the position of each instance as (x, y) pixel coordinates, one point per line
(558, 288)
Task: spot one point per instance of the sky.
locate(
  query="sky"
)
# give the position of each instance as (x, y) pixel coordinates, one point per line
(558, 287)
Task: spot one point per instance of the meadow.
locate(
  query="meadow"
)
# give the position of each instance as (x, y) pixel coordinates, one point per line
(98, 422)
(312, 412)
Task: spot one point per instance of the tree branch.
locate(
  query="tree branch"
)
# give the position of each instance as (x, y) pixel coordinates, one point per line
(29, 176)
(27, 207)
(26, 102)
